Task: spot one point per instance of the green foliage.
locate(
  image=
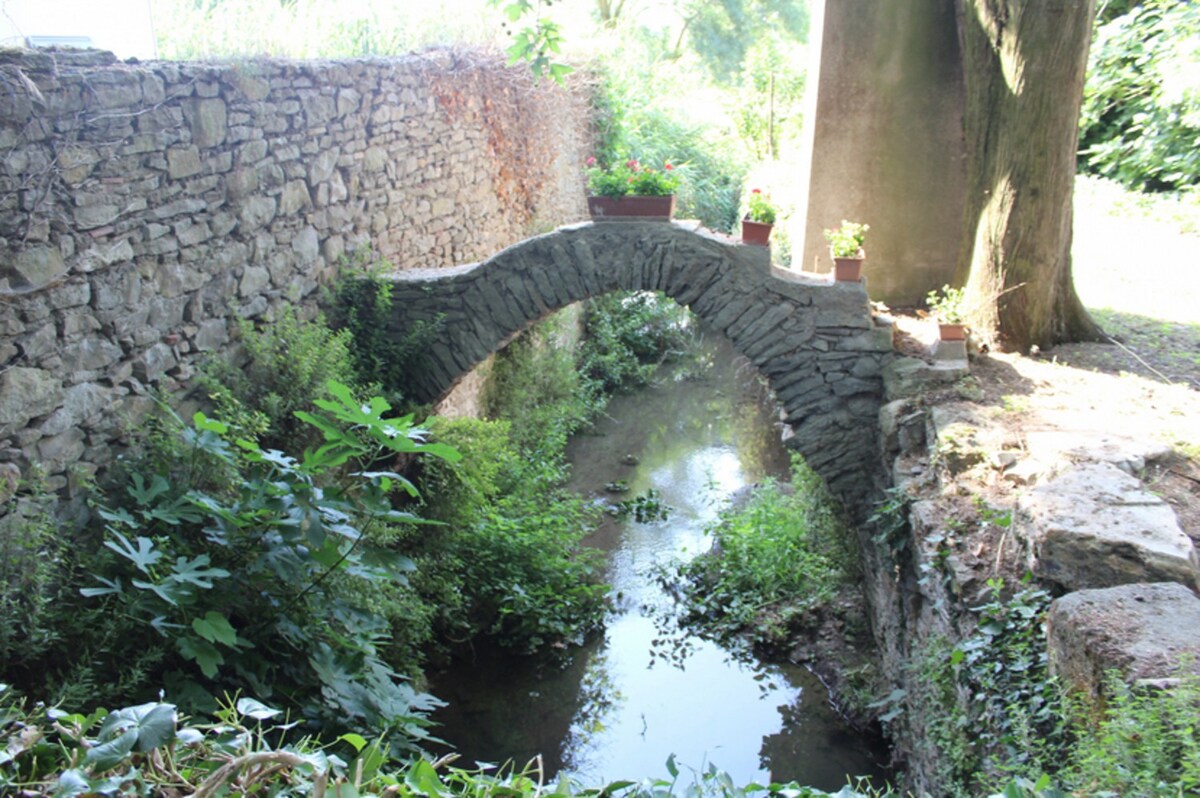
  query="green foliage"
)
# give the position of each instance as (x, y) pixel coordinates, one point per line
(537, 41)
(1016, 711)
(33, 570)
(846, 241)
(891, 525)
(627, 336)
(948, 305)
(361, 305)
(759, 207)
(773, 562)
(509, 562)
(988, 705)
(634, 118)
(259, 569)
(770, 98)
(1145, 743)
(631, 178)
(1141, 106)
(534, 385)
(147, 751)
(723, 34)
(290, 361)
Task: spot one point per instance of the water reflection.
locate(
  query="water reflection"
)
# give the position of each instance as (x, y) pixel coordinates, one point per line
(617, 708)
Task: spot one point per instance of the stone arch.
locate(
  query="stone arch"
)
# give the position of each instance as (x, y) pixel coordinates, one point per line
(815, 341)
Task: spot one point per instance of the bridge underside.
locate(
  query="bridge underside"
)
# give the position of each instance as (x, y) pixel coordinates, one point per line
(815, 341)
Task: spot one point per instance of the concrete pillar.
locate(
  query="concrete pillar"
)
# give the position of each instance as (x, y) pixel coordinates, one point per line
(886, 141)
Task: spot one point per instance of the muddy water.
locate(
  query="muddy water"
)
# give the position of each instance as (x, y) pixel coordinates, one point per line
(617, 708)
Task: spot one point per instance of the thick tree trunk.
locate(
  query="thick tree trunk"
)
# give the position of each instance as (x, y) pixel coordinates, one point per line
(1024, 63)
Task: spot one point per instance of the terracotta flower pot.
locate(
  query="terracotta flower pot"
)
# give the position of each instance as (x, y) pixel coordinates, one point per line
(631, 206)
(848, 270)
(756, 233)
(952, 332)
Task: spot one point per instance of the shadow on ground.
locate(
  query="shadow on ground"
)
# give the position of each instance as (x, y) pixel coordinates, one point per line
(1165, 351)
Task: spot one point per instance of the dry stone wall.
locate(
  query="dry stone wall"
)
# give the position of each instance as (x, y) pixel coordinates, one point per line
(143, 207)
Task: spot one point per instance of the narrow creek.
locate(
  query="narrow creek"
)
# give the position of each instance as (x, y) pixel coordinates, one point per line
(617, 708)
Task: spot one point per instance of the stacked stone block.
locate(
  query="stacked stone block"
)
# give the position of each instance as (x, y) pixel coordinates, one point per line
(144, 207)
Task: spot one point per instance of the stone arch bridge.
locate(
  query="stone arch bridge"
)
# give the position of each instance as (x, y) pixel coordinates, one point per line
(815, 341)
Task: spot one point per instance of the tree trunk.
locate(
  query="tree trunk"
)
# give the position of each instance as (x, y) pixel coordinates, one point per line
(1024, 62)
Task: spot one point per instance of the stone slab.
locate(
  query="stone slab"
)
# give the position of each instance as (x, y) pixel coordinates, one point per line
(1095, 526)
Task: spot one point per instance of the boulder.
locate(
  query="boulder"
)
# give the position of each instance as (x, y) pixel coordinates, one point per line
(1095, 526)
(1143, 631)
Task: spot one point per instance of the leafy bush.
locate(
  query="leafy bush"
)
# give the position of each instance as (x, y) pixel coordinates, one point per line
(1141, 106)
(360, 304)
(256, 569)
(534, 385)
(1145, 743)
(151, 749)
(627, 336)
(509, 562)
(773, 562)
(33, 571)
(290, 361)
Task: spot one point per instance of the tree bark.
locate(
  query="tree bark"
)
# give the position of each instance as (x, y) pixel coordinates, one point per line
(1025, 63)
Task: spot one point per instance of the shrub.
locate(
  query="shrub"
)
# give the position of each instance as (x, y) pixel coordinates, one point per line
(264, 573)
(773, 561)
(290, 361)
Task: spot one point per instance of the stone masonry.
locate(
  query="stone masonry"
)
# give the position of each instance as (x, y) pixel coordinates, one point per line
(143, 207)
(815, 341)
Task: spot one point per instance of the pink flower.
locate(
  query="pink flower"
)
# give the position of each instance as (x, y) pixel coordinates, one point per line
(756, 191)
(591, 161)
(632, 164)
(668, 166)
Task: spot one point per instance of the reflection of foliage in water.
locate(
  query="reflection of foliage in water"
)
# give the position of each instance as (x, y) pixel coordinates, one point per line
(598, 699)
(645, 508)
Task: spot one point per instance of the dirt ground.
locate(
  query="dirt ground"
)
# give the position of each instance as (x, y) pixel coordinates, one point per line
(1084, 392)
(1142, 385)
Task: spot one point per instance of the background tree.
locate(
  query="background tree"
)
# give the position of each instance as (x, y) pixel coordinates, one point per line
(1141, 106)
(1024, 67)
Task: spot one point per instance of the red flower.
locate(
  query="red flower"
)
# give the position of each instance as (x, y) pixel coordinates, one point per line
(756, 191)
(668, 166)
(591, 161)
(632, 164)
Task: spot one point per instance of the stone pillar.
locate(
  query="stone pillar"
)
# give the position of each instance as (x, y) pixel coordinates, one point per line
(885, 125)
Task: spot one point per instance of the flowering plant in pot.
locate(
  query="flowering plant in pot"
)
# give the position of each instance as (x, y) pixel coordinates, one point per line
(949, 307)
(631, 189)
(846, 247)
(759, 219)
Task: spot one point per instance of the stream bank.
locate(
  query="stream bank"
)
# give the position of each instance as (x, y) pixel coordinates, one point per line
(993, 542)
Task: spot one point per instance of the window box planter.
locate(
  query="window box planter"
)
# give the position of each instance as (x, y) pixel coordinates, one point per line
(633, 207)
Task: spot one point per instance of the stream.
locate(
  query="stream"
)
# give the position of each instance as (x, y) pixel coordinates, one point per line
(627, 700)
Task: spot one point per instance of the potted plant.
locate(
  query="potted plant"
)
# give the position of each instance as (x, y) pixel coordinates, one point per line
(630, 189)
(846, 248)
(949, 307)
(759, 219)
